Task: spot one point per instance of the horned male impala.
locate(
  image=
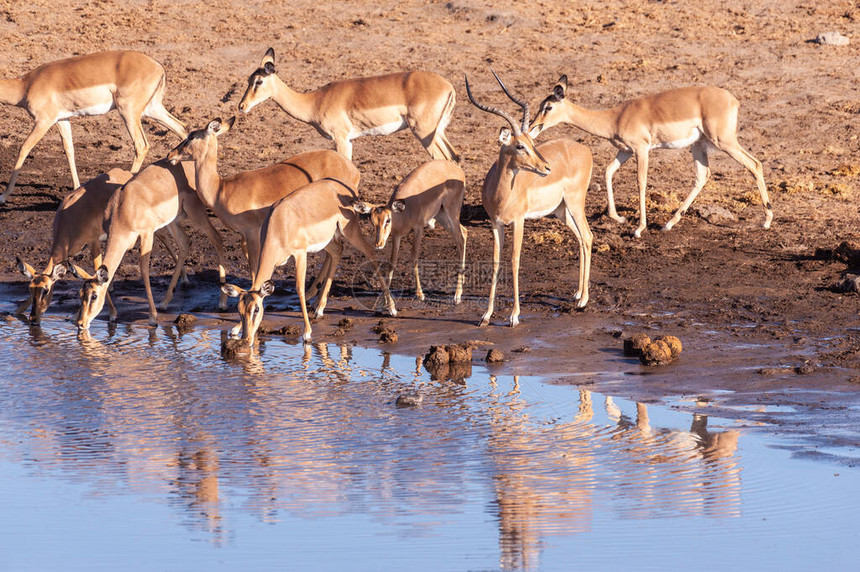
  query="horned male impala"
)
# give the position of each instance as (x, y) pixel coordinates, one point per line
(242, 201)
(432, 192)
(532, 181)
(93, 84)
(155, 198)
(347, 109)
(316, 217)
(704, 117)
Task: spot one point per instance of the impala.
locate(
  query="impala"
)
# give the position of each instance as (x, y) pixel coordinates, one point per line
(532, 181)
(380, 105)
(77, 224)
(93, 84)
(702, 118)
(242, 201)
(432, 192)
(155, 198)
(315, 217)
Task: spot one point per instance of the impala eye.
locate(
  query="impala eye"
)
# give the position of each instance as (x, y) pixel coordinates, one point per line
(521, 147)
(548, 108)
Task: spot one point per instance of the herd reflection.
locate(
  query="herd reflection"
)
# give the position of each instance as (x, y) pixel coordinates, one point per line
(313, 430)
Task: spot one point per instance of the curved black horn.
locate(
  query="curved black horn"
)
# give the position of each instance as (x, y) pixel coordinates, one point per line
(524, 105)
(514, 127)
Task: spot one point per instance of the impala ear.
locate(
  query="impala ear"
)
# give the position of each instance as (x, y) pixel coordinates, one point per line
(504, 136)
(560, 88)
(214, 126)
(25, 269)
(78, 272)
(268, 69)
(59, 271)
(398, 206)
(534, 131)
(361, 207)
(268, 58)
(232, 291)
(267, 288)
(101, 275)
(228, 125)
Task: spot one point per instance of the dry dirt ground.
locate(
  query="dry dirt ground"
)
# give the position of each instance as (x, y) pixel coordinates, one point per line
(757, 308)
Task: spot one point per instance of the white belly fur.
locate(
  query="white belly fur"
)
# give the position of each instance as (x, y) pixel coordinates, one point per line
(384, 129)
(98, 109)
(680, 143)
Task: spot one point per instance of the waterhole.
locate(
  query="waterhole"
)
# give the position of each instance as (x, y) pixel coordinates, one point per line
(143, 449)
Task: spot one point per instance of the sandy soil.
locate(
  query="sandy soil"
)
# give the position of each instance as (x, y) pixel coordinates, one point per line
(756, 309)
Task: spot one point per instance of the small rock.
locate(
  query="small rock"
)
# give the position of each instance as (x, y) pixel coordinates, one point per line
(184, 322)
(409, 399)
(634, 345)
(656, 353)
(805, 369)
(345, 325)
(388, 337)
(714, 214)
(674, 344)
(495, 356)
(232, 348)
(522, 350)
(770, 371)
(380, 327)
(832, 39)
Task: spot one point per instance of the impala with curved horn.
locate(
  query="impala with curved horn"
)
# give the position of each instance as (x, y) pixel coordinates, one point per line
(533, 181)
(702, 118)
(93, 84)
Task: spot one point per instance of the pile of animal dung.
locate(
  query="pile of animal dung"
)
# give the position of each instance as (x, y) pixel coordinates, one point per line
(662, 350)
(451, 362)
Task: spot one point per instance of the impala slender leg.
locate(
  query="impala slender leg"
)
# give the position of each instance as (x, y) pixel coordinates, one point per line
(146, 241)
(65, 129)
(334, 250)
(620, 158)
(515, 270)
(200, 218)
(182, 247)
(578, 223)
(753, 165)
(352, 233)
(301, 271)
(131, 118)
(498, 246)
(39, 130)
(703, 173)
(642, 176)
(392, 260)
(416, 254)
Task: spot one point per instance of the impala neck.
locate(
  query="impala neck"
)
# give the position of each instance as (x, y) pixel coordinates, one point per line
(597, 122)
(502, 187)
(206, 171)
(12, 91)
(298, 105)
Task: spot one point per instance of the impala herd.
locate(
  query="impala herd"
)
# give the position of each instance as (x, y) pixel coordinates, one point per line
(309, 202)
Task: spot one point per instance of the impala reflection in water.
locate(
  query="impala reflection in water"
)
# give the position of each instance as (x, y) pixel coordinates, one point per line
(498, 471)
